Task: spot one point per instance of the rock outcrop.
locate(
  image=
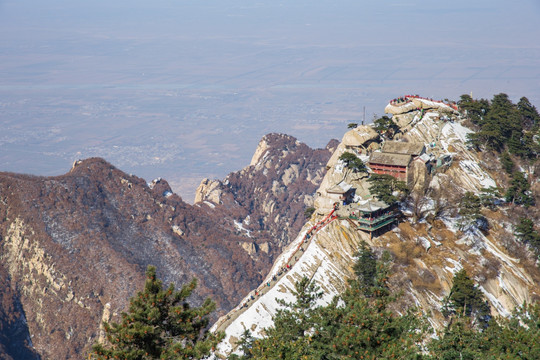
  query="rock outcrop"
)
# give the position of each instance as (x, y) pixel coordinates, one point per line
(414, 102)
(267, 199)
(428, 247)
(15, 339)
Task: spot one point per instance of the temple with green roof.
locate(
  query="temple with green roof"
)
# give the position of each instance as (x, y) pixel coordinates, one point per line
(371, 216)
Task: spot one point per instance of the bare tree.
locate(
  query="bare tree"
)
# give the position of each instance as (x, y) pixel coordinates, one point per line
(417, 201)
(445, 197)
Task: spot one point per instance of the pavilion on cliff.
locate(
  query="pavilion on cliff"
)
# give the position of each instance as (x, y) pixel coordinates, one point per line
(371, 216)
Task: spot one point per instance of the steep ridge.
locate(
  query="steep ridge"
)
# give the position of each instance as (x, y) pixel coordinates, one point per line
(428, 246)
(267, 199)
(75, 247)
(326, 259)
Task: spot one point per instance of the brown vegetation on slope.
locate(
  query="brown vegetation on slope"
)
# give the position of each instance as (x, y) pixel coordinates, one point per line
(75, 247)
(76, 242)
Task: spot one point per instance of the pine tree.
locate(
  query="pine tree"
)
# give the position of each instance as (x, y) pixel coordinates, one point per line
(245, 345)
(469, 210)
(459, 340)
(160, 324)
(367, 329)
(506, 338)
(384, 186)
(501, 122)
(531, 145)
(385, 126)
(490, 134)
(507, 163)
(526, 233)
(518, 336)
(465, 299)
(530, 119)
(291, 336)
(506, 114)
(475, 109)
(503, 125)
(361, 327)
(515, 144)
(365, 269)
(353, 162)
(518, 192)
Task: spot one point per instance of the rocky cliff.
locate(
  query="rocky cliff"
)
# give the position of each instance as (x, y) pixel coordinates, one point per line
(15, 339)
(427, 246)
(267, 199)
(74, 248)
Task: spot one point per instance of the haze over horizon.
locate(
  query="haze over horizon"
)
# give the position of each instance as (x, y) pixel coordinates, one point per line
(185, 90)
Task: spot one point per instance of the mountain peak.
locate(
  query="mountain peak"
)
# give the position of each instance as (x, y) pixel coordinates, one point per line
(276, 142)
(428, 245)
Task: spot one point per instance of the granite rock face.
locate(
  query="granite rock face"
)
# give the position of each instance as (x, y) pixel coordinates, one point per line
(267, 199)
(428, 245)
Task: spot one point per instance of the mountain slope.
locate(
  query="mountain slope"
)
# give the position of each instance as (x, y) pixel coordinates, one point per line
(75, 247)
(267, 199)
(428, 246)
(75, 243)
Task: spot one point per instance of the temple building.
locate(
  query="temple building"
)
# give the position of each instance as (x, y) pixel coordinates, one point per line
(342, 193)
(371, 216)
(395, 165)
(414, 149)
(395, 159)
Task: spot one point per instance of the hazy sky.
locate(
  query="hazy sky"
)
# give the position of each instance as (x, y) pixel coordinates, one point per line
(185, 89)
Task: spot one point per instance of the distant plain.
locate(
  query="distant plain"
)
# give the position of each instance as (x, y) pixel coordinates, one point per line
(185, 90)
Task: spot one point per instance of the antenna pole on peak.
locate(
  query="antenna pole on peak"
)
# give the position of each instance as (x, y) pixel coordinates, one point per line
(364, 118)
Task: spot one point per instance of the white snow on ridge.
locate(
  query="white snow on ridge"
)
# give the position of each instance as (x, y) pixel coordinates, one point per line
(285, 255)
(240, 227)
(454, 130)
(432, 103)
(453, 133)
(313, 262)
(457, 266)
(278, 264)
(475, 173)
